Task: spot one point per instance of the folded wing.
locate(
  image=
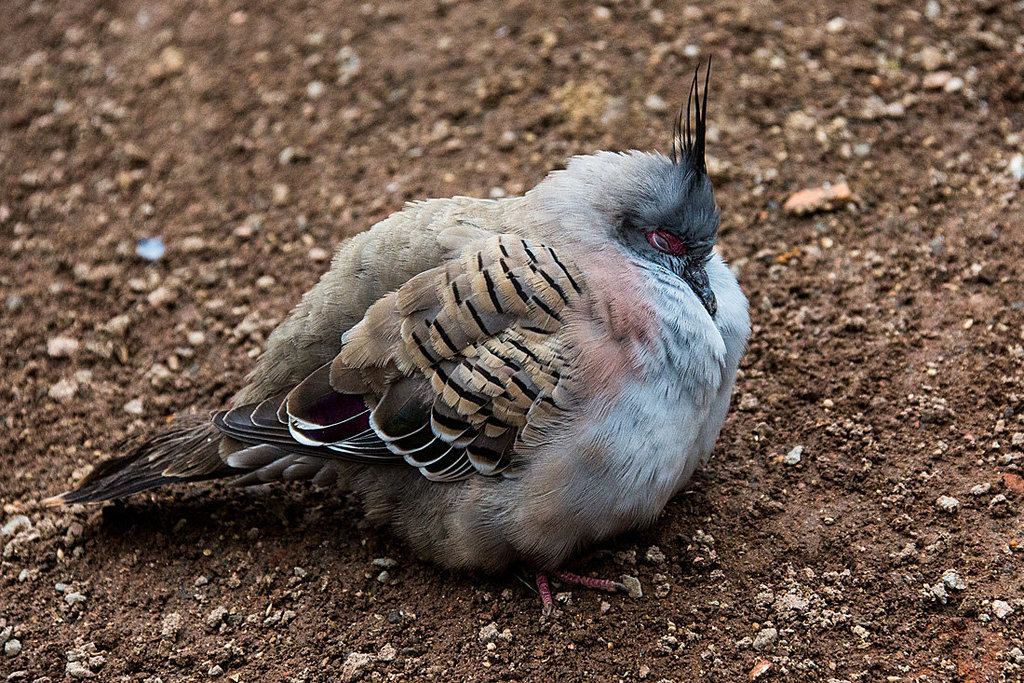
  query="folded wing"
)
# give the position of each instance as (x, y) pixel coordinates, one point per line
(445, 374)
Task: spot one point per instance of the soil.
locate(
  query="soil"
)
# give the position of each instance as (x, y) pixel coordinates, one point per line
(253, 137)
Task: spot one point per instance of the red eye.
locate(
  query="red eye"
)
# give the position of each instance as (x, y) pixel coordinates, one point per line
(663, 240)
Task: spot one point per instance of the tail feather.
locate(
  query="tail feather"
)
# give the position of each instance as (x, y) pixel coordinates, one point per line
(187, 451)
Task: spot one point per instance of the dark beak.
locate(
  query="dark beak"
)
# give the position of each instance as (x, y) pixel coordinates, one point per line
(697, 277)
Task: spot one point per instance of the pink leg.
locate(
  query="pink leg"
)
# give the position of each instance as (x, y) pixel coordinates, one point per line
(588, 582)
(545, 592)
(544, 588)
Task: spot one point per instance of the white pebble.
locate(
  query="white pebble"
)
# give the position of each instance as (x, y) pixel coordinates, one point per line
(656, 103)
(953, 580)
(954, 84)
(133, 407)
(764, 638)
(279, 194)
(61, 347)
(794, 456)
(836, 25)
(315, 89)
(64, 390)
(1001, 608)
(1017, 167)
(16, 524)
(947, 503)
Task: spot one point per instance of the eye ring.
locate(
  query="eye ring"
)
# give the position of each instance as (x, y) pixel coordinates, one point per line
(665, 242)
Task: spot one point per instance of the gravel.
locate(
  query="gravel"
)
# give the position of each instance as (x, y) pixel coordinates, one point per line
(764, 638)
(61, 347)
(14, 525)
(952, 579)
(794, 456)
(170, 627)
(354, 666)
(1001, 609)
(654, 555)
(947, 503)
(633, 587)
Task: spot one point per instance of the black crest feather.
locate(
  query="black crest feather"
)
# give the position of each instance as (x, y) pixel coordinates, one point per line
(687, 142)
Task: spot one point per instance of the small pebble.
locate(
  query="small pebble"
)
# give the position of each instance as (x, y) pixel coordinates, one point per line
(61, 347)
(354, 665)
(794, 456)
(12, 647)
(936, 80)
(654, 554)
(759, 669)
(749, 402)
(74, 598)
(216, 616)
(1001, 609)
(764, 638)
(981, 489)
(947, 503)
(384, 562)
(78, 670)
(134, 407)
(953, 580)
(1017, 167)
(170, 626)
(955, 84)
(150, 249)
(836, 25)
(656, 103)
(16, 524)
(931, 58)
(118, 325)
(633, 587)
(172, 60)
(160, 296)
(63, 391)
(279, 194)
(314, 90)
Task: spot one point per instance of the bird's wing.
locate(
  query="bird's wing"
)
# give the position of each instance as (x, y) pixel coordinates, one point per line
(447, 373)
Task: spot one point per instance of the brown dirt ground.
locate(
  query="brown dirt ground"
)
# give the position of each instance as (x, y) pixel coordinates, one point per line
(887, 335)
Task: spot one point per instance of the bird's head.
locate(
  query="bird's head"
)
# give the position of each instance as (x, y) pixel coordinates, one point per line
(658, 209)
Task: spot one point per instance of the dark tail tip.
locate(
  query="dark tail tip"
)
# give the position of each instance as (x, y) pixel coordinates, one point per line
(187, 451)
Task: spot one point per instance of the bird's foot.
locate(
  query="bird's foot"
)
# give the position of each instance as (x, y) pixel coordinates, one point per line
(544, 587)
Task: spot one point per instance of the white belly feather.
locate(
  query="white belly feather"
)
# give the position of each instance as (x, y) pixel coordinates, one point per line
(664, 422)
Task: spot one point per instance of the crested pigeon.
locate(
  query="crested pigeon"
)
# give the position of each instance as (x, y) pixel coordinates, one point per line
(503, 381)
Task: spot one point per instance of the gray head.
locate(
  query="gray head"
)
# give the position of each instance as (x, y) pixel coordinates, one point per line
(659, 209)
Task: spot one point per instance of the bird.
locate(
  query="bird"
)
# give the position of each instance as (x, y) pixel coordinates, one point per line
(503, 381)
